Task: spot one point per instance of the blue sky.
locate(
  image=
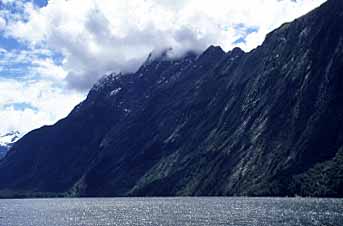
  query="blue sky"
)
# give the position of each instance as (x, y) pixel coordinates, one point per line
(51, 52)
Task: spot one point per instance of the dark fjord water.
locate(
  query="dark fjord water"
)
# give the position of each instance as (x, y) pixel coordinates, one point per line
(172, 212)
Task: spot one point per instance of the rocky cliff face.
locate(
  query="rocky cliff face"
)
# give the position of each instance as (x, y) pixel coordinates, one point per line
(267, 122)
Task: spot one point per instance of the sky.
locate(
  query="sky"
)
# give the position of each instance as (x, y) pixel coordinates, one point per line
(51, 52)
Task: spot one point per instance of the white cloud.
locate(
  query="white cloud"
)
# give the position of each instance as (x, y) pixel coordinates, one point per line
(94, 37)
(97, 37)
(2, 23)
(48, 104)
(47, 68)
(31, 63)
(7, 1)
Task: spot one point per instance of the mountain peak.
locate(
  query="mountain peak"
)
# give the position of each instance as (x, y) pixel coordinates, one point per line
(166, 55)
(158, 55)
(213, 50)
(236, 52)
(211, 53)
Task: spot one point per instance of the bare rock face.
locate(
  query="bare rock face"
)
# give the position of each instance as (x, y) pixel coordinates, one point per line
(268, 122)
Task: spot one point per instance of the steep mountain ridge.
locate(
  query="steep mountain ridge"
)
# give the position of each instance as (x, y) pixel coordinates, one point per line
(267, 122)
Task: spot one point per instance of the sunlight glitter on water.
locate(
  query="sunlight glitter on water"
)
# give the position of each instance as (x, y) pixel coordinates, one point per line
(171, 212)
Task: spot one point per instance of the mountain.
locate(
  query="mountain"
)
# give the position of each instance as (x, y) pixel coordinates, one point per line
(264, 123)
(3, 151)
(6, 142)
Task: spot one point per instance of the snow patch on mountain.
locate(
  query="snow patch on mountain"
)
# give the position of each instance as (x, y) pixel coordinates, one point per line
(7, 140)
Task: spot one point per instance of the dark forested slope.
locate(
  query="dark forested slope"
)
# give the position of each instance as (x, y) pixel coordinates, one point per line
(267, 122)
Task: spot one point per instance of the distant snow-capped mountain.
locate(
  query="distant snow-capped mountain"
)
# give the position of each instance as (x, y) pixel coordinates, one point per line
(7, 140)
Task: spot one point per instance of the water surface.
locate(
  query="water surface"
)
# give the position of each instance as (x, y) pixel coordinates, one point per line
(172, 212)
